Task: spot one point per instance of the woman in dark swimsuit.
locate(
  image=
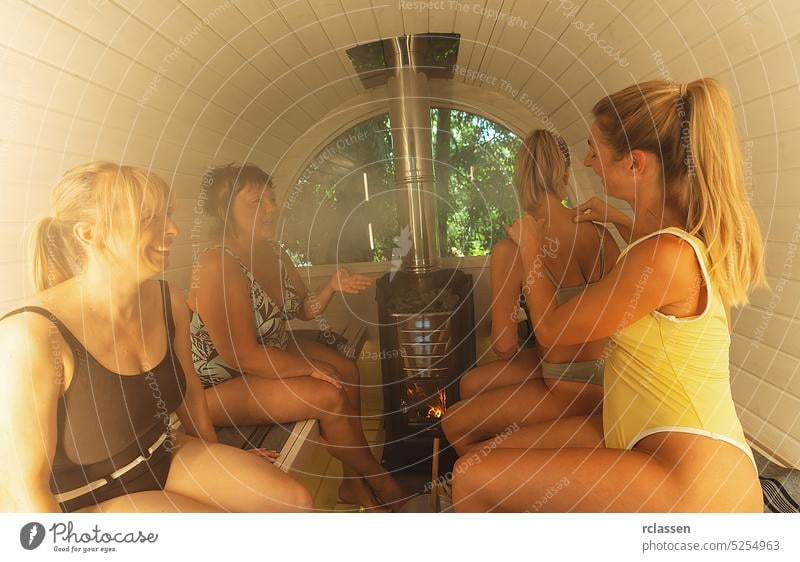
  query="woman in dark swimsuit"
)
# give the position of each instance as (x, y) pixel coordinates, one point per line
(97, 365)
(245, 289)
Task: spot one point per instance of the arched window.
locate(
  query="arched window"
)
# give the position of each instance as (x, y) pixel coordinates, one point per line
(344, 207)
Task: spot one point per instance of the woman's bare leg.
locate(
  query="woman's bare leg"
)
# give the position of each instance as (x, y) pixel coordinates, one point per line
(670, 472)
(493, 412)
(584, 432)
(232, 479)
(252, 400)
(354, 488)
(524, 366)
(346, 367)
(154, 501)
(213, 477)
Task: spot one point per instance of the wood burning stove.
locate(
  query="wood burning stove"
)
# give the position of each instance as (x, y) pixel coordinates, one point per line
(426, 313)
(427, 347)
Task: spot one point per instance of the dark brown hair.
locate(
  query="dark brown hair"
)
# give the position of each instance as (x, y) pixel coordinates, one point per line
(221, 184)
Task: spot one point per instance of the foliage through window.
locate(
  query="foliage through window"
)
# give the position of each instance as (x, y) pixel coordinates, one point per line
(344, 207)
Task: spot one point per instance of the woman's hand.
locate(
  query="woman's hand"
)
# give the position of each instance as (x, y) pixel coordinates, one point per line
(598, 210)
(344, 281)
(527, 233)
(270, 455)
(324, 372)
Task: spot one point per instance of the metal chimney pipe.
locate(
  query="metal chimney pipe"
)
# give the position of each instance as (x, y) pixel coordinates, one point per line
(409, 113)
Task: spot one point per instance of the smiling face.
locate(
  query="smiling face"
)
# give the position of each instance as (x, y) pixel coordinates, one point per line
(156, 235)
(255, 213)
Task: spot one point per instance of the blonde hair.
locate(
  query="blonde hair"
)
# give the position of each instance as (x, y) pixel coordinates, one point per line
(691, 129)
(541, 167)
(116, 200)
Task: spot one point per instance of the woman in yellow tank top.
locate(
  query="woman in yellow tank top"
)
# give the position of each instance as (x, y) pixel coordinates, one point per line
(672, 440)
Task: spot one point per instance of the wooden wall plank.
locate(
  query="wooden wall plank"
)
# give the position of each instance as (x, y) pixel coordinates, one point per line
(468, 22)
(414, 14)
(488, 26)
(388, 15)
(508, 43)
(363, 21)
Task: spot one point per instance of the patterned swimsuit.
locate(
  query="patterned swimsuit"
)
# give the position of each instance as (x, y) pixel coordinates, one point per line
(270, 324)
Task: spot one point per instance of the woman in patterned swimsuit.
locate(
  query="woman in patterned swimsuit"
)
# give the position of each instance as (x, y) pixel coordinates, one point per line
(244, 290)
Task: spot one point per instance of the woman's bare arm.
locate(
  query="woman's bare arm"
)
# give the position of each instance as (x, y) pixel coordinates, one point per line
(505, 268)
(655, 273)
(223, 301)
(193, 413)
(315, 302)
(32, 381)
(599, 210)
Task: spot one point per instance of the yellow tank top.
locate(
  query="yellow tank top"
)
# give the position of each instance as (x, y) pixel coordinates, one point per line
(672, 374)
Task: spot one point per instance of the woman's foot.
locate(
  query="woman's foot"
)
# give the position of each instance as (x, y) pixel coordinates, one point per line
(387, 491)
(354, 490)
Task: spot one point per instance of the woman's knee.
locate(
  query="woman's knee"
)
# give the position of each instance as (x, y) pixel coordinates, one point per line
(331, 401)
(348, 369)
(469, 384)
(452, 422)
(484, 378)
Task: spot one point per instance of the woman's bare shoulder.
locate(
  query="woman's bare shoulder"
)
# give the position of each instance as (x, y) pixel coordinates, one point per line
(32, 346)
(505, 250)
(667, 254)
(216, 260)
(212, 254)
(63, 296)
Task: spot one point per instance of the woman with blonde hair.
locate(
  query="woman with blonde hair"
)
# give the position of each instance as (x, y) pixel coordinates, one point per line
(536, 386)
(672, 439)
(245, 291)
(97, 364)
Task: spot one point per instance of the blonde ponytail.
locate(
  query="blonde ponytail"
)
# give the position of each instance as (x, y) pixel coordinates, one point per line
(721, 214)
(116, 200)
(691, 129)
(55, 255)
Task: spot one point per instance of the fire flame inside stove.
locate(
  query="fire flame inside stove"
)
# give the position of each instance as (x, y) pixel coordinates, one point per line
(436, 405)
(437, 410)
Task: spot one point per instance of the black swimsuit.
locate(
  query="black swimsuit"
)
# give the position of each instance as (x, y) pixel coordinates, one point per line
(106, 420)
